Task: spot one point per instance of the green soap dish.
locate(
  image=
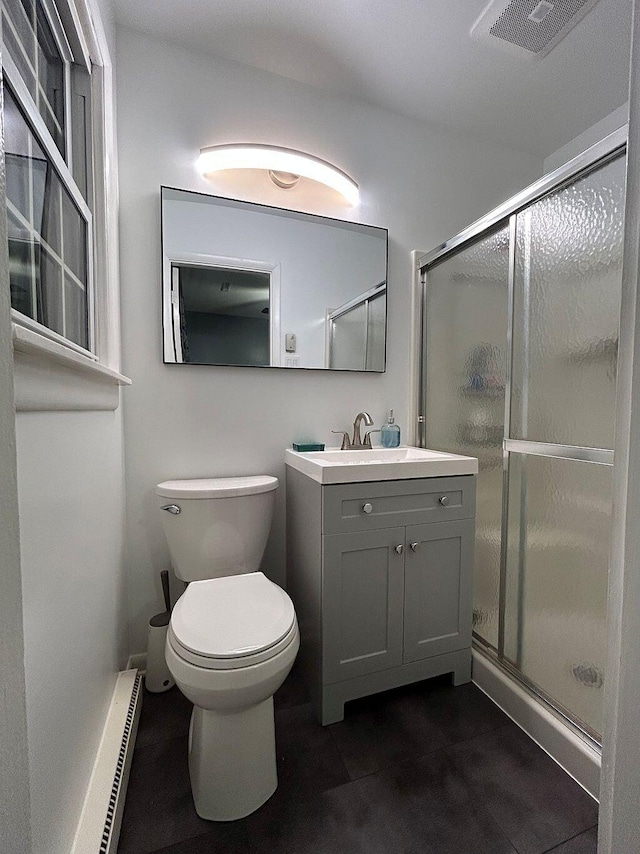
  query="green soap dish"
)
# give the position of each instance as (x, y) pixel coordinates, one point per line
(308, 446)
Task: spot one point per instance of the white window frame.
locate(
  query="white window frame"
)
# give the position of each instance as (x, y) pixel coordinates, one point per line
(86, 33)
(30, 108)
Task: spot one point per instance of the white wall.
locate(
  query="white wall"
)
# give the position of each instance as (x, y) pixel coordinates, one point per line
(71, 497)
(189, 421)
(70, 489)
(614, 120)
(15, 830)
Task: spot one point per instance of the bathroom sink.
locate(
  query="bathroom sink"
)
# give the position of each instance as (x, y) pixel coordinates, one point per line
(335, 466)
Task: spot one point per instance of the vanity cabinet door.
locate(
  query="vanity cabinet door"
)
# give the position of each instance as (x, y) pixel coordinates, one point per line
(437, 588)
(362, 602)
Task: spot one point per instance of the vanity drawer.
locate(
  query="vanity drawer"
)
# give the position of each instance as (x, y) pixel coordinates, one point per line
(386, 504)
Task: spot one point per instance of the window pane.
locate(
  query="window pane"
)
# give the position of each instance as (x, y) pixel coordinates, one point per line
(21, 267)
(28, 8)
(51, 80)
(18, 149)
(47, 235)
(19, 41)
(75, 238)
(31, 43)
(75, 312)
(49, 222)
(50, 292)
(81, 129)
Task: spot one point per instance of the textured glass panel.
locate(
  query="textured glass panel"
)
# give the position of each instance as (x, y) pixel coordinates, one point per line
(466, 316)
(376, 333)
(557, 566)
(349, 338)
(567, 303)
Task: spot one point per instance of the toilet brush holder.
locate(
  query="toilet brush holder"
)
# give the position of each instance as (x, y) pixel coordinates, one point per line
(158, 676)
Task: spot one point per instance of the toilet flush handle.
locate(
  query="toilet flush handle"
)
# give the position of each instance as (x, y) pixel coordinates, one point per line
(172, 508)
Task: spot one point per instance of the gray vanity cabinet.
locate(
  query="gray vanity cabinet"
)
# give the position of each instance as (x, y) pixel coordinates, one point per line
(437, 595)
(362, 603)
(380, 575)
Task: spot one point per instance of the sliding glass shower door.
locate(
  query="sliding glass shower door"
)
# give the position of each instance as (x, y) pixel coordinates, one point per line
(521, 335)
(465, 382)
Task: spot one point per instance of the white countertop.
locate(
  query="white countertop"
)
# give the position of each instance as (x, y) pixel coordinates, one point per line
(336, 466)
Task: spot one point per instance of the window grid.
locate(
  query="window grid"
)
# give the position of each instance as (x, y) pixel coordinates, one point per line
(70, 297)
(35, 238)
(45, 108)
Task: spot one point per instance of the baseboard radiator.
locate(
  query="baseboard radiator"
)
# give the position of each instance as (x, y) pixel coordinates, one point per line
(99, 826)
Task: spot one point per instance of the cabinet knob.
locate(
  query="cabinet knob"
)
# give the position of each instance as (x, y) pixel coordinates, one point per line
(415, 547)
(399, 549)
(444, 500)
(367, 508)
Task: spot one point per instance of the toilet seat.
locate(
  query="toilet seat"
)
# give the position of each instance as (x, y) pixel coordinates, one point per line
(232, 622)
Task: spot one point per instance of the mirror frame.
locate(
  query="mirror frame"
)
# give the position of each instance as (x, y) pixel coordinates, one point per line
(301, 215)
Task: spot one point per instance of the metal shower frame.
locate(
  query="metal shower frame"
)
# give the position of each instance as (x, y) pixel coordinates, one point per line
(608, 149)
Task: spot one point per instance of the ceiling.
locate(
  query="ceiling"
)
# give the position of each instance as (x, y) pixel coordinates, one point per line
(414, 57)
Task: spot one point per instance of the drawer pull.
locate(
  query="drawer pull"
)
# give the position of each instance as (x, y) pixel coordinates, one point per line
(444, 500)
(399, 549)
(415, 547)
(367, 508)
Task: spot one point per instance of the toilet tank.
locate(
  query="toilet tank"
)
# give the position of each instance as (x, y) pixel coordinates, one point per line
(216, 526)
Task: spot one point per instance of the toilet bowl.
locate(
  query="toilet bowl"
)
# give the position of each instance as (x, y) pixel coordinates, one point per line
(232, 638)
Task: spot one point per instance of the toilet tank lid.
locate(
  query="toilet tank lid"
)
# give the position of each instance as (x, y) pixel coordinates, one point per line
(217, 487)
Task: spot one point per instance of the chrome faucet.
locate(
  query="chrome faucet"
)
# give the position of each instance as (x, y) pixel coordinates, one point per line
(357, 443)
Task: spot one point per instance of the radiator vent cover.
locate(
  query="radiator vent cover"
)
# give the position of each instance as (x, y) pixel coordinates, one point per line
(529, 28)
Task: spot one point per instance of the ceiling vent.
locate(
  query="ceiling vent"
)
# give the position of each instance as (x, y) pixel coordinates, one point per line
(529, 28)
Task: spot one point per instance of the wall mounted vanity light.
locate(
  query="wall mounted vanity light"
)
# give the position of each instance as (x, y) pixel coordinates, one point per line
(284, 165)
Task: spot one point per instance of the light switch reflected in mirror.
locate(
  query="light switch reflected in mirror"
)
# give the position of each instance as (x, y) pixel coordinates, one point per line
(252, 285)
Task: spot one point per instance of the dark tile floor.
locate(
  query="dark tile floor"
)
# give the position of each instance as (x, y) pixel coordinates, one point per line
(427, 769)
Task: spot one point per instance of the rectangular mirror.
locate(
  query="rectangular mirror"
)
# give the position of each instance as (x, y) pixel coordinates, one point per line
(247, 284)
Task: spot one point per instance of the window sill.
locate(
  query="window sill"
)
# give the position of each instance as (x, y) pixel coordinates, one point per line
(50, 377)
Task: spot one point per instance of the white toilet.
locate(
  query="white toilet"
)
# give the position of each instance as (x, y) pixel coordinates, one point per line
(232, 639)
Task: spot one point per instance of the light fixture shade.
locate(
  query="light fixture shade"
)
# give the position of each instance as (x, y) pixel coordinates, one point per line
(215, 158)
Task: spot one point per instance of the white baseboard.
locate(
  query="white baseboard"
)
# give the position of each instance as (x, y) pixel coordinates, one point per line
(138, 662)
(577, 757)
(99, 825)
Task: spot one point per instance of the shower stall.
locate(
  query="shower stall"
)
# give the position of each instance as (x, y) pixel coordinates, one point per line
(520, 335)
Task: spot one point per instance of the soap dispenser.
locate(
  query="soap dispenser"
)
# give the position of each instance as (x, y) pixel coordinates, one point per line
(390, 433)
